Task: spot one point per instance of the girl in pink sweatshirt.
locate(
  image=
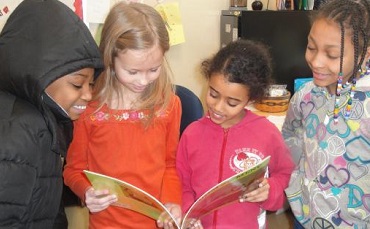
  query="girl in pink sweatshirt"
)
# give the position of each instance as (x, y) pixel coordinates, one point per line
(231, 139)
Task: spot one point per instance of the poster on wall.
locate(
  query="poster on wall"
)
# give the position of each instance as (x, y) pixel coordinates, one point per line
(94, 12)
(8, 6)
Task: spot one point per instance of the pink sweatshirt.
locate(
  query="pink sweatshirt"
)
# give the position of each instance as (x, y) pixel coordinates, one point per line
(208, 154)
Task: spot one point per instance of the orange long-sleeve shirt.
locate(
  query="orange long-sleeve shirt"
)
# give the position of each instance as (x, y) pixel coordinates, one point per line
(115, 143)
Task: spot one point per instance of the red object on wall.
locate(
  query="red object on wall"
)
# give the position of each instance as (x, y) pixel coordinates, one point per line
(78, 8)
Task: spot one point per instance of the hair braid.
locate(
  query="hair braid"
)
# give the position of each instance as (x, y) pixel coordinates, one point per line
(353, 17)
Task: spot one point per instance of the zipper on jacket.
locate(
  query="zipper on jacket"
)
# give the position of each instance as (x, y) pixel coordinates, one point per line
(221, 169)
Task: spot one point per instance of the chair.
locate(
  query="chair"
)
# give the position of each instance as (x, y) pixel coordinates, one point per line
(192, 108)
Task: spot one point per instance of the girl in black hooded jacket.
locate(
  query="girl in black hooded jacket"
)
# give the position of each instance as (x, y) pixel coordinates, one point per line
(48, 62)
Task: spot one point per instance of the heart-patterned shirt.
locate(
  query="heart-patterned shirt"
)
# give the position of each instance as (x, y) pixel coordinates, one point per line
(330, 186)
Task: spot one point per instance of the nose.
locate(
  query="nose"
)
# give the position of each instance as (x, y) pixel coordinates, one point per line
(218, 105)
(144, 80)
(86, 93)
(315, 60)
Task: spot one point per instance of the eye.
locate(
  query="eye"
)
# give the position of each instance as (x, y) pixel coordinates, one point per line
(310, 48)
(232, 104)
(332, 57)
(154, 70)
(78, 86)
(132, 72)
(213, 94)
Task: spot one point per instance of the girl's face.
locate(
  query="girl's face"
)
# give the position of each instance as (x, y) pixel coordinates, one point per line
(137, 69)
(226, 101)
(323, 54)
(72, 92)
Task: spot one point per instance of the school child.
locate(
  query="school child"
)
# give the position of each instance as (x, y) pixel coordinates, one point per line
(328, 121)
(130, 130)
(231, 138)
(49, 61)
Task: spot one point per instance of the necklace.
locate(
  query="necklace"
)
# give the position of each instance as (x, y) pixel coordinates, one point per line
(352, 89)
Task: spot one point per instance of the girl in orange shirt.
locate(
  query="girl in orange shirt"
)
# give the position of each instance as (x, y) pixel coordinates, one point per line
(130, 130)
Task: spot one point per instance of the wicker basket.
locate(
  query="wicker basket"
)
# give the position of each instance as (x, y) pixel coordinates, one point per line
(274, 104)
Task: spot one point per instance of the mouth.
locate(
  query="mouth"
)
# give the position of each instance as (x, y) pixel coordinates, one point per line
(215, 115)
(80, 107)
(320, 76)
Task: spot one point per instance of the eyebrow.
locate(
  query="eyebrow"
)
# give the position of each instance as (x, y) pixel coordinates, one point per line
(310, 38)
(237, 100)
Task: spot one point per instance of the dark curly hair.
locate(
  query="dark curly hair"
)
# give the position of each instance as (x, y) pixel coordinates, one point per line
(352, 16)
(244, 62)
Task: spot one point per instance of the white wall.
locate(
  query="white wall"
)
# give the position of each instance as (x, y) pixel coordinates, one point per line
(201, 22)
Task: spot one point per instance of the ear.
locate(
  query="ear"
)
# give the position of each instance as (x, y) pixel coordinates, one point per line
(367, 55)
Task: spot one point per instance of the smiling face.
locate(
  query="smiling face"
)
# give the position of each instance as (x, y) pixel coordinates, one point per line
(72, 92)
(226, 101)
(137, 69)
(323, 54)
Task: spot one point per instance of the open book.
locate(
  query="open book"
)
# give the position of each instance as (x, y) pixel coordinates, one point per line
(222, 194)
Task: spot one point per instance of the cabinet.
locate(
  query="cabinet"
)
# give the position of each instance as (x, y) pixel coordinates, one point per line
(285, 32)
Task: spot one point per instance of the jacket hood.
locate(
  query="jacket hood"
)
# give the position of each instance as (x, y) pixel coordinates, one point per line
(42, 41)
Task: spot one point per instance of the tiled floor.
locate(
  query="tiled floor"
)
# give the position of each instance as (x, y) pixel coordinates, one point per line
(282, 220)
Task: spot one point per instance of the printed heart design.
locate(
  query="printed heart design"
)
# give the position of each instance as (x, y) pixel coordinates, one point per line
(318, 100)
(306, 108)
(355, 146)
(357, 171)
(367, 107)
(366, 201)
(307, 97)
(321, 200)
(353, 125)
(340, 161)
(320, 132)
(323, 145)
(359, 95)
(337, 177)
(322, 161)
(336, 191)
(336, 220)
(310, 146)
(365, 127)
(357, 214)
(323, 180)
(341, 128)
(306, 209)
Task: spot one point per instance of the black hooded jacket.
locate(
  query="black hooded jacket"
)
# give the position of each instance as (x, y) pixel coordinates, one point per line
(41, 41)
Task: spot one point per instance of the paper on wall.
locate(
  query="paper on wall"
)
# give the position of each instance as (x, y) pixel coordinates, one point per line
(170, 13)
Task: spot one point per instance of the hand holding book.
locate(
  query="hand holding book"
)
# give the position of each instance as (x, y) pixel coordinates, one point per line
(98, 200)
(259, 193)
(227, 192)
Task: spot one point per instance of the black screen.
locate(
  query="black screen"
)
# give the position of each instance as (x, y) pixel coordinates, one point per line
(285, 32)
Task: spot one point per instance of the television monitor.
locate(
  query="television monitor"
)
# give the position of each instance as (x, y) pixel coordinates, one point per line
(285, 32)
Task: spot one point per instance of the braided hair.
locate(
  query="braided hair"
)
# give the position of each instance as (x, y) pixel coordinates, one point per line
(353, 16)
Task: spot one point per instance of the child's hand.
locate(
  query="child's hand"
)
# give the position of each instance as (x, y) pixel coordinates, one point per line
(193, 224)
(98, 200)
(258, 195)
(165, 220)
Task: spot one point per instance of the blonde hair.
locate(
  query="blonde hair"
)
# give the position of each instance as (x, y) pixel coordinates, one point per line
(133, 26)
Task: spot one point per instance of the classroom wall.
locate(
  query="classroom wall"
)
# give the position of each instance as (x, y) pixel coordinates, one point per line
(201, 22)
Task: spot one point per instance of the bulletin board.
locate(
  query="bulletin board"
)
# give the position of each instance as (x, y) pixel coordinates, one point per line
(94, 12)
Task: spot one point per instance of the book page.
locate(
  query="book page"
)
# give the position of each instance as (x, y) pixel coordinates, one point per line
(226, 192)
(129, 196)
